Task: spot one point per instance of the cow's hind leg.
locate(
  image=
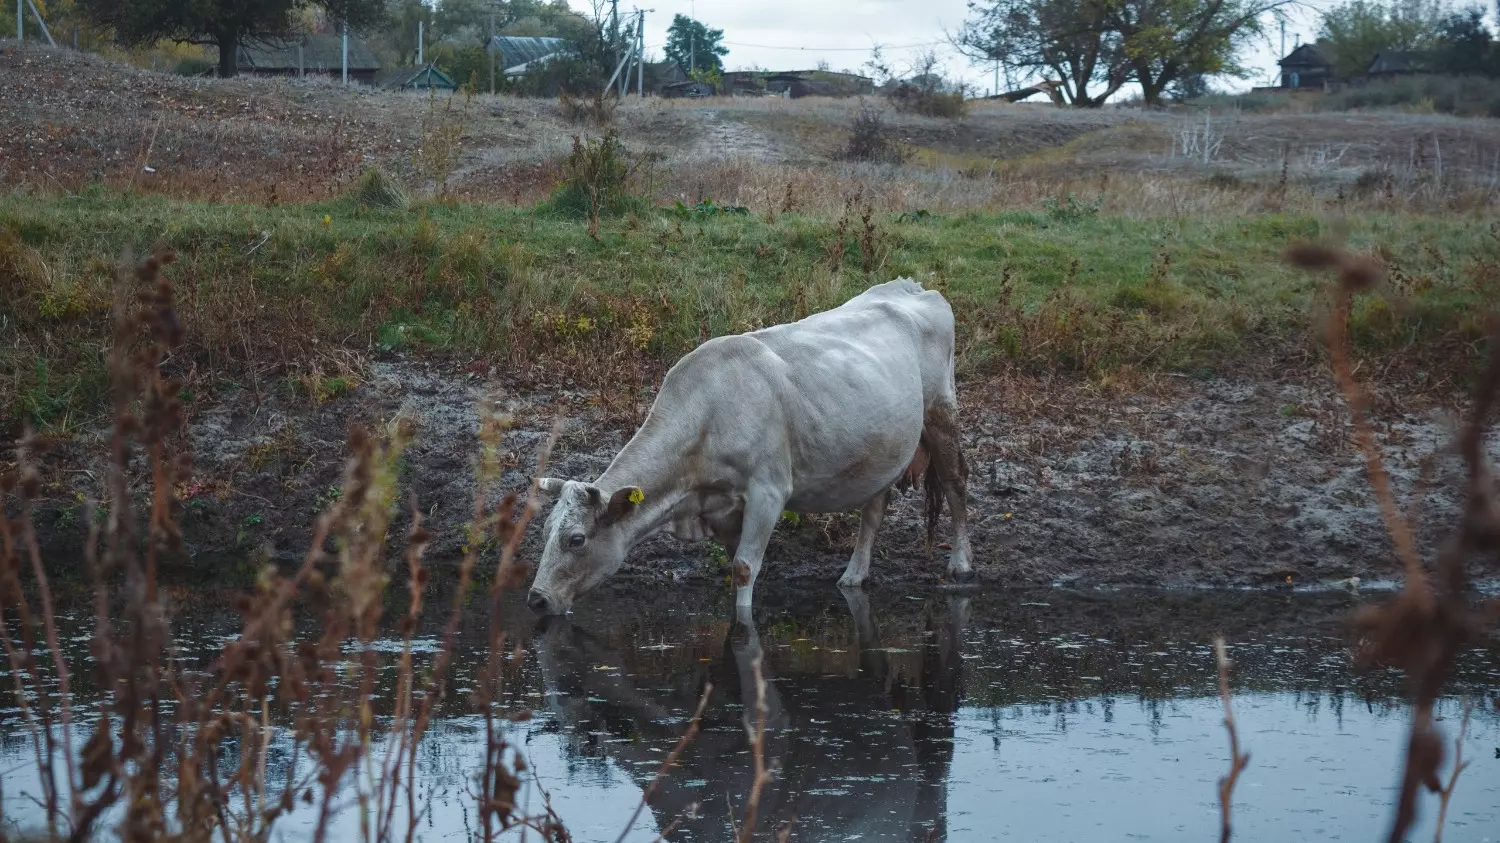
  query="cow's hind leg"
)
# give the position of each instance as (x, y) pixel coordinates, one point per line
(870, 517)
(944, 449)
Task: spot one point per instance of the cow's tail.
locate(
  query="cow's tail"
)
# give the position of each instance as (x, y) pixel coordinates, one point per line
(934, 489)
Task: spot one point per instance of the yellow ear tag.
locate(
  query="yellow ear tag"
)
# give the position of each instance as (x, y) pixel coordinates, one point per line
(636, 495)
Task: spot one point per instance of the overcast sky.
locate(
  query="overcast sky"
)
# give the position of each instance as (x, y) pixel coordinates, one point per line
(797, 34)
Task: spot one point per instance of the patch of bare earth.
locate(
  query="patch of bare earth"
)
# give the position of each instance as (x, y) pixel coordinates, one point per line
(1171, 483)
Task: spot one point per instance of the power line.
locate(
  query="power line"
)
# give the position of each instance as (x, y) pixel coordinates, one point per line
(835, 49)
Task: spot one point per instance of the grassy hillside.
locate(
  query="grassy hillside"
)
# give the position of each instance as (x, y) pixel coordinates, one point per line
(300, 293)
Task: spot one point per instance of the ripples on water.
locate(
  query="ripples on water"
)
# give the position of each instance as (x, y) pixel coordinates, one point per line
(1030, 717)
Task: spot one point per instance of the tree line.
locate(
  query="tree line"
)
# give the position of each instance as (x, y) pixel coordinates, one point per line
(455, 32)
(1171, 48)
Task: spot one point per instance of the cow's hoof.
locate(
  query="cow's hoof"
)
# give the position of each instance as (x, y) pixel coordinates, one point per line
(847, 581)
(961, 577)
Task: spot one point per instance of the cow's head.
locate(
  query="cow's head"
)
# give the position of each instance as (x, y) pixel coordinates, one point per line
(586, 542)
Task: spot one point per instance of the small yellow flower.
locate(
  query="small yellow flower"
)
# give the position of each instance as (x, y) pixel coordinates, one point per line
(584, 324)
(636, 495)
(1009, 515)
(327, 220)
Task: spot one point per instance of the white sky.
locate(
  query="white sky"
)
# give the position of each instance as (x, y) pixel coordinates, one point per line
(797, 34)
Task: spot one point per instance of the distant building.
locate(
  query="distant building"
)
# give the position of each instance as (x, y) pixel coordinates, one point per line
(1388, 64)
(1305, 68)
(423, 78)
(744, 83)
(320, 55)
(690, 89)
(827, 83)
(521, 53)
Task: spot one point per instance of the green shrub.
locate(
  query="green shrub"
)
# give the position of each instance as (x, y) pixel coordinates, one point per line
(597, 180)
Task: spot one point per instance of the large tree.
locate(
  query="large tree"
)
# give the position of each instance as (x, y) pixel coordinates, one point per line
(1064, 40)
(1466, 47)
(1166, 42)
(1358, 29)
(693, 45)
(1158, 44)
(224, 24)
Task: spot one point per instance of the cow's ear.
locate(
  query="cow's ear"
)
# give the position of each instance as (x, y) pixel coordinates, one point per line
(550, 485)
(594, 497)
(623, 502)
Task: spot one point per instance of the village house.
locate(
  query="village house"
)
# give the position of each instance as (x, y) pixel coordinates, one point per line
(318, 55)
(520, 53)
(1389, 64)
(1305, 68)
(423, 78)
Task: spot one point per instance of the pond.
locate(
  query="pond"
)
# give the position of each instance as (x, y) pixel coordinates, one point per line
(1030, 716)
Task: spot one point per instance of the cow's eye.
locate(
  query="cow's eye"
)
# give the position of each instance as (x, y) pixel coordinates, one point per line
(575, 540)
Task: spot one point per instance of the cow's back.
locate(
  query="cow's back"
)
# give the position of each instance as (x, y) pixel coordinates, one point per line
(896, 319)
(831, 407)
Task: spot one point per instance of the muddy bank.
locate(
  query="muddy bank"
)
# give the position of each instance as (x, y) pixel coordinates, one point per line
(1176, 482)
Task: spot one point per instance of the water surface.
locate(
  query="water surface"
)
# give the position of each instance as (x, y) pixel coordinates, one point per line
(1028, 716)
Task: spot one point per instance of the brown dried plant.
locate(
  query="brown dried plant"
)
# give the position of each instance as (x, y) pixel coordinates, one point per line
(152, 757)
(1434, 617)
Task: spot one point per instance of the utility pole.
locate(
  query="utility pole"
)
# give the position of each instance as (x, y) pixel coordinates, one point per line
(40, 24)
(419, 42)
(344, 59)
(492, 51)
(640, 54)
(20, 20)
(1283, 39)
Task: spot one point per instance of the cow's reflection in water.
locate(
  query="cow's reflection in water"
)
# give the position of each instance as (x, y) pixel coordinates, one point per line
(863, 752)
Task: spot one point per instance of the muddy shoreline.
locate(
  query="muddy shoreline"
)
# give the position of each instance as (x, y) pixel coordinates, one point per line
(1174, 482)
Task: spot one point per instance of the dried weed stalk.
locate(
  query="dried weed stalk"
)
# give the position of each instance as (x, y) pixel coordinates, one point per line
(1237, 760)
(1434, 618)
(152, 764)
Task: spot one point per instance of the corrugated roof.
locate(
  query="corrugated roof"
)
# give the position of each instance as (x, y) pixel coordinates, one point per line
(319, 52)
(517, 50)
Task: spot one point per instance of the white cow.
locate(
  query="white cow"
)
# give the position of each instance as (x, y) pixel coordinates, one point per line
(821, 415)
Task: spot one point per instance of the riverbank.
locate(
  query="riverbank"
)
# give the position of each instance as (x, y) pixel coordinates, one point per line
(1163, 481)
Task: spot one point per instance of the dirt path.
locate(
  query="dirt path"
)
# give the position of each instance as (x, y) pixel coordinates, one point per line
(1175, 483)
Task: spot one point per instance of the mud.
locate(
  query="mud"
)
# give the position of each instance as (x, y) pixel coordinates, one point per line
(1175, 483)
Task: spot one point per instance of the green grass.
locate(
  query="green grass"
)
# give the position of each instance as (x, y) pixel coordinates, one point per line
(1057, 289)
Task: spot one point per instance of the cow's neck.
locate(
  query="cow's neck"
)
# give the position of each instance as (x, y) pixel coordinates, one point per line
(654, 461)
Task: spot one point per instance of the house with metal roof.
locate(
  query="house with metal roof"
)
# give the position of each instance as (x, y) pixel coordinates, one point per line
(308, 55)
(520, 53)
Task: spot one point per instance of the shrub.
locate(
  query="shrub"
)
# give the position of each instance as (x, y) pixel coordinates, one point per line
(1464, 96)
(597, 110)
(870, 139)
(596, 180)
(929, 101)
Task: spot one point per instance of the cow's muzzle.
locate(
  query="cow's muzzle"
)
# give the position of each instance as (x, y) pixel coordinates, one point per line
(543, 603)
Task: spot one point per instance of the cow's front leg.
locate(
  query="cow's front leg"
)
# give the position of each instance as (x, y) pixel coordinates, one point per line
(870, 517)
(763, 507)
